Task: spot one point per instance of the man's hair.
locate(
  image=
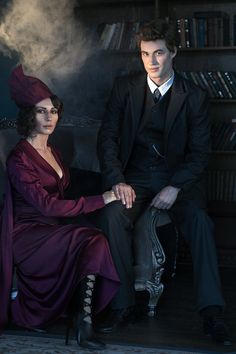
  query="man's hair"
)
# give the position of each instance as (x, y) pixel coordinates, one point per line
(159, 29)
(26, 117)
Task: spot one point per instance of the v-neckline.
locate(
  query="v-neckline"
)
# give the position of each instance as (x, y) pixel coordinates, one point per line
(46, 162)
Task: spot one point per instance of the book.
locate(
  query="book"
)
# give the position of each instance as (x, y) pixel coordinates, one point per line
(230, 81)
(221, 28)
(201, 33)
(225, 87)
(114, 39)
(187, 33)
(208, 87)
(181, 32)
(216, 89)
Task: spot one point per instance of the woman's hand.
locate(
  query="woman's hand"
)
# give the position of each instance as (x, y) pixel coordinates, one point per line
(109, 197)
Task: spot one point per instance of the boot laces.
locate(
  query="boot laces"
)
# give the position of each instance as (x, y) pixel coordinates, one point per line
(88, 298)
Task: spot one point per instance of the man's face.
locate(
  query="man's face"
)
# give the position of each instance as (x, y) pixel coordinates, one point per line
(157, 60)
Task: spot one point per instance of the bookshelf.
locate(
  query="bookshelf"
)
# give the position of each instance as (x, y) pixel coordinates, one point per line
(94, 12)
(113, 23)
(104, 64)
(213, 55)
(200, 56)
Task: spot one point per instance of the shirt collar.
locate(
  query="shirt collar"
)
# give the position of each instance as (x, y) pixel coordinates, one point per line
(162, 88)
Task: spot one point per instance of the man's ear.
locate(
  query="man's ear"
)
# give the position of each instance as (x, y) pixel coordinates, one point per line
(173, 54)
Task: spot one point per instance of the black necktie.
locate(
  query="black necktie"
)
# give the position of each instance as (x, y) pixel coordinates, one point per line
(156, 95)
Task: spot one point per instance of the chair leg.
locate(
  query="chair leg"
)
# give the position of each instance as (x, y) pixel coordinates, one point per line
(155, 292)
(150, 256)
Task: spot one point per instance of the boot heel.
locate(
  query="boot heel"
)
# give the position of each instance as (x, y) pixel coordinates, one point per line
(82, 321)
(68, 328)
(86, 337)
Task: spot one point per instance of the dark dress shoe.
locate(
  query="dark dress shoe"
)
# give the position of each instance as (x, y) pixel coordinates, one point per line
(214, 326)
(37, 330)
(115, 319)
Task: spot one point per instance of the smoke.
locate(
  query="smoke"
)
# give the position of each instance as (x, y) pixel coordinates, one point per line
(53, 45)
(49, 41)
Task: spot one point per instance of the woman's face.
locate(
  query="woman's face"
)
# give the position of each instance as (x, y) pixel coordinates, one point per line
(46, 117)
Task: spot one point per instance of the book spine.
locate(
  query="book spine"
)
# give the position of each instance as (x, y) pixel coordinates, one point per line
(229, 93)
(231, 81)
(193, 32)
(201, 32)
(206, 84)
(213, 85)
(187, 33)
(181, 31)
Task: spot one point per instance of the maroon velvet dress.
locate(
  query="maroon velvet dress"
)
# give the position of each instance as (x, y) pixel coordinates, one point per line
(50, 258)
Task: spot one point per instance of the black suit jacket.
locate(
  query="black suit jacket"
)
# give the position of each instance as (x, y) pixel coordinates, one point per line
(186, 135)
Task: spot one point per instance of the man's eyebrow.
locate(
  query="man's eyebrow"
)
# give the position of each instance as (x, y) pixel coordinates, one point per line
(155, 51)
(158, 50)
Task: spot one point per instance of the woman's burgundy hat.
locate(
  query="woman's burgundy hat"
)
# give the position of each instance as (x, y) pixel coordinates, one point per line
(25, 90)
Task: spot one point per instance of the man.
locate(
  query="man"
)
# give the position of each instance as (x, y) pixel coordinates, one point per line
(153, 146)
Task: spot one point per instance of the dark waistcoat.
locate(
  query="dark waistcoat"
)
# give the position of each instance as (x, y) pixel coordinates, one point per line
(148, 149)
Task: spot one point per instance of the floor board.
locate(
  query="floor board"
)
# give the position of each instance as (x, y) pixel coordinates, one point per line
(176, 324)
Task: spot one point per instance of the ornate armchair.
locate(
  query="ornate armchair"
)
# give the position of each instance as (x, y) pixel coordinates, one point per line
(149, 255)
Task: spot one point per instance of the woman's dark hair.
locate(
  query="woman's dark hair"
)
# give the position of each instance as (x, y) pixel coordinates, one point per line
(159, 29)
(26, 117)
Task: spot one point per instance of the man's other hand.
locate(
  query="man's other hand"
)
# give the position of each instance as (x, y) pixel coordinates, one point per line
(165, 198)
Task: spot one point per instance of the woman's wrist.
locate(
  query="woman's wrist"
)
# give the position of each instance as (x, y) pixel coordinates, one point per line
(108, 197)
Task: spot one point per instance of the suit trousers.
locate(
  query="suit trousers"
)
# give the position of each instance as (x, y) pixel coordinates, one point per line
(193, 223)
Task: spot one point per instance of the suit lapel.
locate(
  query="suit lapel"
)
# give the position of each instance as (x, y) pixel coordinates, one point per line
(177, 98)
(137, 95)
(133, 113)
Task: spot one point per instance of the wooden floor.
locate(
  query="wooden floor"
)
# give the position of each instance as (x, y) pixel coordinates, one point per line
(176, 325)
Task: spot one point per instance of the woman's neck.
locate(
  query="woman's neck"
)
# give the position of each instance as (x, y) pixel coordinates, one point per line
(38, 142)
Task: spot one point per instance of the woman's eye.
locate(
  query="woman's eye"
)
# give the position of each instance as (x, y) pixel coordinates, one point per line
(40, 111)
(54, 111)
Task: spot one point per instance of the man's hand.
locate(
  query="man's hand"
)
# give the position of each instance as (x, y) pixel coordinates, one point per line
(125, 193)
(165, 198)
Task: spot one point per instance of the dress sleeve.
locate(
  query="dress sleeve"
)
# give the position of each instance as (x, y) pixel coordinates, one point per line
(26, 181)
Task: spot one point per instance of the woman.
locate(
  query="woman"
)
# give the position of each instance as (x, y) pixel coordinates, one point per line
(56, 265)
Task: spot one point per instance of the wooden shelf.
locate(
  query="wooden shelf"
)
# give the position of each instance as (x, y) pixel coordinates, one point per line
(112, 3)
(207, 49)
(224, 152)
(199, 2)
(221, 208)
(222, 100)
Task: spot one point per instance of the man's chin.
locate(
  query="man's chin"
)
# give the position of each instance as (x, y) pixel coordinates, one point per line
(154, 77)
(154, 74)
